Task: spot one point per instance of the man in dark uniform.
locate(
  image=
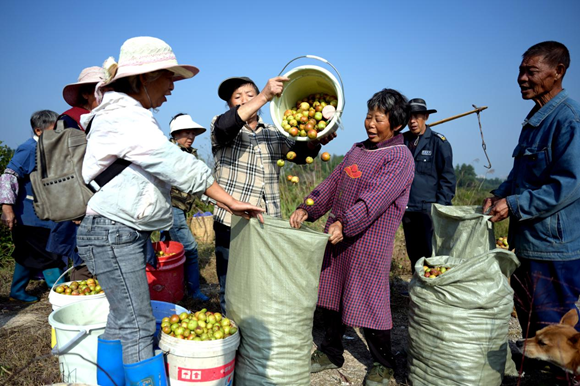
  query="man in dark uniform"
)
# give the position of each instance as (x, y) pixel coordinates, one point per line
(434, 180)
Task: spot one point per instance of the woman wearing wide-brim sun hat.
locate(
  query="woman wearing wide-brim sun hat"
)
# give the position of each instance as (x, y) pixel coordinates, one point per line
(81, 96)
(122, 214)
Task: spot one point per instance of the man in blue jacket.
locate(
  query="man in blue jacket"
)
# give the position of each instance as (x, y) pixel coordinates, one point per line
(434, 180)
(541, 195)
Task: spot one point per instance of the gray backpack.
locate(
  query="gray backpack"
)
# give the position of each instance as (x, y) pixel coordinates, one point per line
(60, 193)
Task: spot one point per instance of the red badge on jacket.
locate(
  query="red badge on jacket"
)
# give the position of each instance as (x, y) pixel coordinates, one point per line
(352, 171)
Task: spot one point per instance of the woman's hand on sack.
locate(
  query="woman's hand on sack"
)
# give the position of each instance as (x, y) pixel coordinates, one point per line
(244, 209)
(297, 218)
(497, 207)
(8, 217)
(335, 232)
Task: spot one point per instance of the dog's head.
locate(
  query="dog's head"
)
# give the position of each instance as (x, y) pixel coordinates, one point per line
(558, 344)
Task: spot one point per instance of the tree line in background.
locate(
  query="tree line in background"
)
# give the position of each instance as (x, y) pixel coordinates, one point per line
(467, 178)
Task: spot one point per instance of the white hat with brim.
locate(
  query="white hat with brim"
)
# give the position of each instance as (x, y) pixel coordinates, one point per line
(144, 54)
(71, 92)
(184, 122)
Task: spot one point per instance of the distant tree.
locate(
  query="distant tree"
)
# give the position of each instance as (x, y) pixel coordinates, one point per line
(465, 175)
(6, 154)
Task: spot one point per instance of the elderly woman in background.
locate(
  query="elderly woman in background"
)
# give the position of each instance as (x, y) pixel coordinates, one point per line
(29, 233)
(121, 215)
(183, 131)
(82, 98)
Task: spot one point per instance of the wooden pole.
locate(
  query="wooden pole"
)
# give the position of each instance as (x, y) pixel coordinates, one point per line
(478, 109)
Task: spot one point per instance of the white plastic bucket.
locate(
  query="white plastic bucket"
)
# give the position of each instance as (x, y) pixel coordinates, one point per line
(59, 300)
(77, 327)
(205, 363)
(306, 80)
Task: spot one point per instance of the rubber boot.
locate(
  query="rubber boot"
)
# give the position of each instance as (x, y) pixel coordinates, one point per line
(51, 276)
(110, 369)
(150, 372)
(191, 270)
(20, 280)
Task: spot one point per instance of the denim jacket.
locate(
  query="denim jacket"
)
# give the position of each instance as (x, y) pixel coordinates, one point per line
(543, 187)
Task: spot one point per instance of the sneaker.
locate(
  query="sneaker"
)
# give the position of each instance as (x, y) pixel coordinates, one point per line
(319, 361)
(379, 375)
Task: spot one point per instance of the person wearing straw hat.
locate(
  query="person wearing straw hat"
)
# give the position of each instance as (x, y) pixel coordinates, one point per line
(245, 151)
(183, 131)
(82, 98)
(434, 180)
(121, 215)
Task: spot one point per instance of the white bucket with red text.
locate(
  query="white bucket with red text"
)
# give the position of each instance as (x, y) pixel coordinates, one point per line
(200, 363)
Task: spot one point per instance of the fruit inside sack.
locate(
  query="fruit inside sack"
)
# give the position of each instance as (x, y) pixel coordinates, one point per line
(502, 243)
(201, 326)
(433, 272)
(80, 288)
(306, 119)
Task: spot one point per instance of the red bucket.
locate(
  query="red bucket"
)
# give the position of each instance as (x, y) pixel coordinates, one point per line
(166, 283)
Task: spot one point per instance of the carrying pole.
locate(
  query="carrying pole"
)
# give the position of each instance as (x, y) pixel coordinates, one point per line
(477, 110)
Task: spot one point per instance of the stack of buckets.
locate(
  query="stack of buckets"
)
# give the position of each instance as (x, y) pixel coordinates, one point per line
(166, 282)
(77, 327)
(306, 80)
(60, 300)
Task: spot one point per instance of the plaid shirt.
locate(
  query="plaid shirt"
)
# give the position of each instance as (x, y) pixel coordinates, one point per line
(245, 166)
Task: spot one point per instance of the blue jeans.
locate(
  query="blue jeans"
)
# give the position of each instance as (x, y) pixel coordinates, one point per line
(181, 233)
(544, 291)
(116, 255)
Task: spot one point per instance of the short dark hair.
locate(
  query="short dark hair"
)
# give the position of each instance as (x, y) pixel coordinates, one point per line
(553, 52)
(43, 119)
(394, 104)
(175, 116)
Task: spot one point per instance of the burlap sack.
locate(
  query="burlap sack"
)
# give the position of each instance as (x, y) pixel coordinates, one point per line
(202, 229)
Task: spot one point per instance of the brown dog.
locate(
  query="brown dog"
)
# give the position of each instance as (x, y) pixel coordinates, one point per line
(558, 344)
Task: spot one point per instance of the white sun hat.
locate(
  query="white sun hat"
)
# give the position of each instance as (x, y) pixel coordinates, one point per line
(144, 54)
(184, 122)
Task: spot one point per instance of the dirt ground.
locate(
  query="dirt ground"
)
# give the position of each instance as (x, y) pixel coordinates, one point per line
(25, 334)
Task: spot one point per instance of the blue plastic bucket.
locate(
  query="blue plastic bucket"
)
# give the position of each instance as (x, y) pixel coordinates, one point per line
(163, 309)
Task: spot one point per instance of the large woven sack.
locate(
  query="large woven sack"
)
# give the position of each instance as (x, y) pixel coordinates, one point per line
(202, 229)
(271, 293)
(458, 322)
(462, 231)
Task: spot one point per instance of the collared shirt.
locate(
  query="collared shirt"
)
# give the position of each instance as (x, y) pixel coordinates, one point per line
(543, 188)
(434, 180)
(245, 161)
(139, 196)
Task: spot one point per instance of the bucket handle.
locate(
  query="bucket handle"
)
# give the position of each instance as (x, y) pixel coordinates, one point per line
(324, 61)
(61, 351)
(61, 276)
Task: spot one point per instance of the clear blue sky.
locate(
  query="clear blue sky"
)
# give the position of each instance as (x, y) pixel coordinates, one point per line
(451, 53)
